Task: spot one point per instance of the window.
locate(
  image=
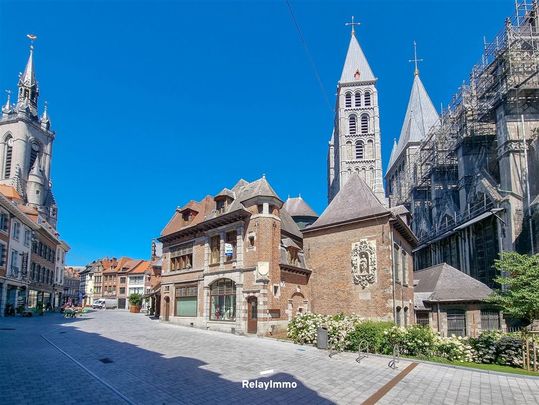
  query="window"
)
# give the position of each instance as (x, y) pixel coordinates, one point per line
(352, 124)
(186, 300)
(367, 98)
(16, 230)
(122, 280)
(396, 262)
(456, 322)
(27, 237)
(230, 245)
(4, 219)
(348, 100)
(8, 157)
(122, 290)
(490, 320)
(364, 123)
(220, 205)
(33, 271)
(358, 99)
(398, 315)
(3, 252)
(404, 268)
(223, 300)
(14, 261)
(34, 150)
(251, 240)
(215, 249)
(422, 318)
(360, 152)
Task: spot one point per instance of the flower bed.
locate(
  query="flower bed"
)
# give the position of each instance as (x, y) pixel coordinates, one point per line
(347, 332)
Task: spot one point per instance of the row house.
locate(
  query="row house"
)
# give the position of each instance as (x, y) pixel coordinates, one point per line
(234, 262)
(28, 246)
(71, 283)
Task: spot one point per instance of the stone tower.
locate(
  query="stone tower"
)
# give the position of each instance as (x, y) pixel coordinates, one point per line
(26, 146)
(355, 143)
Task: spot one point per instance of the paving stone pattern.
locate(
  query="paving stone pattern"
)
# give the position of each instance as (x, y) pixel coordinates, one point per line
(158, 363)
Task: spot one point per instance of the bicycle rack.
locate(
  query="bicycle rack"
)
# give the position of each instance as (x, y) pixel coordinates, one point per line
(396, 358)
(362, 351)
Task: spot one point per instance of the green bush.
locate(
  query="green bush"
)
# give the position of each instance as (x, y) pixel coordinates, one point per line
(371, 332)
(135, 299)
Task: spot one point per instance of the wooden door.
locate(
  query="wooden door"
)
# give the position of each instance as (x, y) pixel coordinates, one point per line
(252, 314)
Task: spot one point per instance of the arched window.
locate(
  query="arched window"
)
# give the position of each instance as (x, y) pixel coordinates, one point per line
(358, 99)
(348, 100)
(223, 300)
(8, 157)
(364, 123)
(34, 151)
(367, 98)
(352, 124)
(370, 149)
(360, 150)
(371, 177)
(349, 151)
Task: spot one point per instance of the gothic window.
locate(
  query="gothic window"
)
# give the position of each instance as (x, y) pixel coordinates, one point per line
(8, 156)
(370, 149)
(364, 123)
(358, 99)
(359, 150)
(348, 100)
(352, 124)
(367, 98)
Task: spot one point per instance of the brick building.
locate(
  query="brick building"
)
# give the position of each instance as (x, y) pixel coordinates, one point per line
(234, 262)
(360, 254)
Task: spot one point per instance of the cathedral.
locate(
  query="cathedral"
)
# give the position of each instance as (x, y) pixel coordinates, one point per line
(26, 146)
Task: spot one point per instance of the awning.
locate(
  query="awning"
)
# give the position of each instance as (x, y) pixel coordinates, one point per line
(476, 219)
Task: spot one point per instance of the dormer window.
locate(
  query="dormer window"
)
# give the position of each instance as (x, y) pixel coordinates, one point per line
(220, 205)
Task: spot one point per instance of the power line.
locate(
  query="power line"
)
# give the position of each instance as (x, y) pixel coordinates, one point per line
(311, 60)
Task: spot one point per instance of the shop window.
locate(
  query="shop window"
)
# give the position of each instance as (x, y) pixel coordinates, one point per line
(186, 300)
(215, 249)
(223, 300)
(230, 245)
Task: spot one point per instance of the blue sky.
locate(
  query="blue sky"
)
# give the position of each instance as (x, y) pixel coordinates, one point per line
(156, 103)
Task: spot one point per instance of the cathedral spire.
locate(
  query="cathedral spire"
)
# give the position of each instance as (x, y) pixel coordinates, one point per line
(45, 120)
(415, 60)
(28, 88)
(6, 109)
(356, 68)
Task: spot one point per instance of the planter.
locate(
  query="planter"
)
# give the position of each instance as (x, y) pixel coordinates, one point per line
(134, 309)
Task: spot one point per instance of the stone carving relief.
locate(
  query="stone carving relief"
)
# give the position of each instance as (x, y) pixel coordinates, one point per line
(364, 262)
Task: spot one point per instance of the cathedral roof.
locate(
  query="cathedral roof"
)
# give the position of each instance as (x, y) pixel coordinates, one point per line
(356, 62)
(297, 207)
(443, 282)
(355, 200)
(419, 118)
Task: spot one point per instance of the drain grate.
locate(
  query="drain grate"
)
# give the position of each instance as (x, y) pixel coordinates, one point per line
(7, 328)
(106, 360)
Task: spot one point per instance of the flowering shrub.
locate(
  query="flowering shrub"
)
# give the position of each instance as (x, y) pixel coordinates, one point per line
(345, 332)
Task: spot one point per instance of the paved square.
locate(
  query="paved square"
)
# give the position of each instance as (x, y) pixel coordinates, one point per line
(54, 360)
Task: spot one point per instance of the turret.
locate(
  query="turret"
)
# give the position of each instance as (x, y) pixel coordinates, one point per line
(36, 185)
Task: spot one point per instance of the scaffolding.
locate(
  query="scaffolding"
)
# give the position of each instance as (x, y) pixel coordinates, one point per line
(505, 74)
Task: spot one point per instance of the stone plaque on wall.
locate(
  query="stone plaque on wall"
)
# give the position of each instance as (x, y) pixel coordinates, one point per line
(364, 262)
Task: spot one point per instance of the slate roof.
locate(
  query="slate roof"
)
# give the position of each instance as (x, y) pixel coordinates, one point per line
(356, 61)
(288, 224)
(355, 200)
(297, 207)
(419, 118)
(445, 283)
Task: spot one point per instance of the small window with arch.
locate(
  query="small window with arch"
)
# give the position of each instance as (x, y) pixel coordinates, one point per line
(367, 98)
(360, 151)
(358, 99)
(348, 100)
(352, 124)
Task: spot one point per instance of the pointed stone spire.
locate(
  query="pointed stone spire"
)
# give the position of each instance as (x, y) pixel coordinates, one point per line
(419, 118)
(7, 108)
(28, 88)
(356, 68)
(45, 120)
(36, 168)
(393, 152)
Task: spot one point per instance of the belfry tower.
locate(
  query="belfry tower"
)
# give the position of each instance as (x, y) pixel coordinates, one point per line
(26, 145)
(355, 142)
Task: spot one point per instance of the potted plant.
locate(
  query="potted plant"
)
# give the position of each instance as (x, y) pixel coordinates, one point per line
(135, 300)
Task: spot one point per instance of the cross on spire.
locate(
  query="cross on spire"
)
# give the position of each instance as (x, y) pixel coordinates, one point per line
(415, 60)
(353, 24)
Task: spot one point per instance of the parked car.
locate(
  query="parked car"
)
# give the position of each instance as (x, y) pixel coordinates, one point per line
(105, 303)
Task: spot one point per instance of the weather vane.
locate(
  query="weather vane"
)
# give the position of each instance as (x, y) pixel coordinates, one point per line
(32, 38)
(415, 60)
(353, 24)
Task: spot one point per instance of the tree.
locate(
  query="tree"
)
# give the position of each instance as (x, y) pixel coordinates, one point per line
(135, 299)
(519, 278)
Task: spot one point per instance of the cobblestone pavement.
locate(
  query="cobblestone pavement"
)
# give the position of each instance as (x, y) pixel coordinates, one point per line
(50, 359)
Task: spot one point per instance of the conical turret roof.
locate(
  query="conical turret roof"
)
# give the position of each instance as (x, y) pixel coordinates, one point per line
(419, 118)
(298, 207)
(28, 78)
(356, 62)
